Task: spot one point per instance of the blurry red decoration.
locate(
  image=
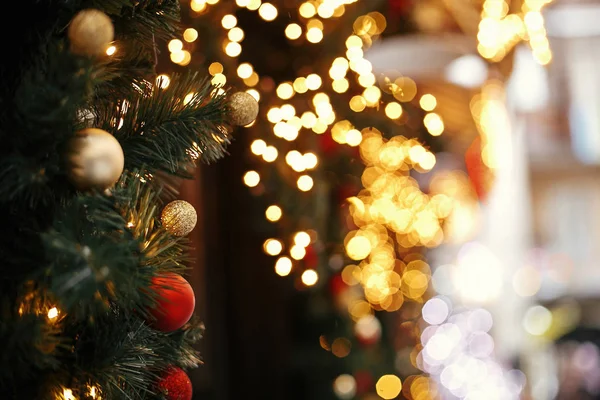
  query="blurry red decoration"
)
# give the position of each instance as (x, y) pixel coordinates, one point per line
(175, 304)
(327, 144)
(364, 382)
(479, 174)
(399, 7)
(311, 259)
(337, 285)
(175, 384)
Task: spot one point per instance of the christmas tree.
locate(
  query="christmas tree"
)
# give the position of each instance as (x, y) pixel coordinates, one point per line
(93, 302)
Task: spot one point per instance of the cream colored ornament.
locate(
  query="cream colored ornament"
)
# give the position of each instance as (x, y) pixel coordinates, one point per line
(179, 217)
(94, 159)
(90, 32)
(244, 108)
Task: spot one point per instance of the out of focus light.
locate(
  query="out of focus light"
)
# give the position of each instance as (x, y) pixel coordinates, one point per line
(111, 50)
(305, 183)
(229, 21)
(393, 110)
(302, 239)
(293, 31)
(273, 213)
(537, 320)
(68, 395)
(163, 81)
(175, 45)
(388, 387)
(527, 281)
(310, 277)
(190, 35)
(307, 10)
(251, 178)
(267, 11)
(273, 247)
(53, 313)
(435, 311)
(478, 274)
(297, 252)
(258, 147)
(428, 102)
(344, 386)
(358, 248)
(233, 49)
(283, 266)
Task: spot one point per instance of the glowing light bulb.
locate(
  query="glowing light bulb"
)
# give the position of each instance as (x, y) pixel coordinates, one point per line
(283, 266)
(270, 154)
(428, 102)
(272, 247)
(111, 50)
(293, 31)
(393, 110)
(305, 183)
(297, 252)
(53, 313)
(302, 239)
(190, 35)
(163, 81)
(245, 70)
(229, 21)
(273, 213)
(251, 178)
(175, 45)
(310, 277)
(267, 11)
(258, 147)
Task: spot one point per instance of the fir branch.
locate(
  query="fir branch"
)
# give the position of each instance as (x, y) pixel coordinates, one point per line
(124, 357)
(138, 199)
(167, 132)
(47, 101)
(93, 260)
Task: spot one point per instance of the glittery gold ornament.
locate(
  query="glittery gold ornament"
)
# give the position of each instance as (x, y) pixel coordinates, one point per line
(94, 159)
(244, 108)
(179, 217)
(90, 32)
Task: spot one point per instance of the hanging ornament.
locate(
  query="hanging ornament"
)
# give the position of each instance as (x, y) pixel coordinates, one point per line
(244, 108)
(179, 218)
(174, 384)
(175, 302)
(90, 32)
(94, 159)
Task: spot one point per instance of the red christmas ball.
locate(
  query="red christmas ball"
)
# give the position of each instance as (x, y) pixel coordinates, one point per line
(175, 302)
(175, 384)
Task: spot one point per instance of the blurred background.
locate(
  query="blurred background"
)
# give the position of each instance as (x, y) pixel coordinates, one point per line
(415, 214)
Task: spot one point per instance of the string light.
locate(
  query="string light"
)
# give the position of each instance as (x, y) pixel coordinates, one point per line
(251, 178)
(273, 247)
(310, 277)
(273, 213)
(267, 11)
(305, 183)
(293, 31)
(53, 313)
(111, 50)
(283, 266)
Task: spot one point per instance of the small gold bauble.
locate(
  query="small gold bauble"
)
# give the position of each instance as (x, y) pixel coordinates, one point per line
(90, 32)
(244, 108)
(179, 217)
(94, 159)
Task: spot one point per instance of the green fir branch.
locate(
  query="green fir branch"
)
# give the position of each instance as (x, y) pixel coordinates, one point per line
(163, 130)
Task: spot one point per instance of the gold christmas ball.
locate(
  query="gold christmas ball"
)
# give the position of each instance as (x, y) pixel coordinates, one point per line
(94, 159)
(179, 218)
(90, 32)
(244, 108)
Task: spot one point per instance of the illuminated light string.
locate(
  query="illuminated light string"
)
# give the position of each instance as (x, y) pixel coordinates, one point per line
(500, 31)
(391, 208)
